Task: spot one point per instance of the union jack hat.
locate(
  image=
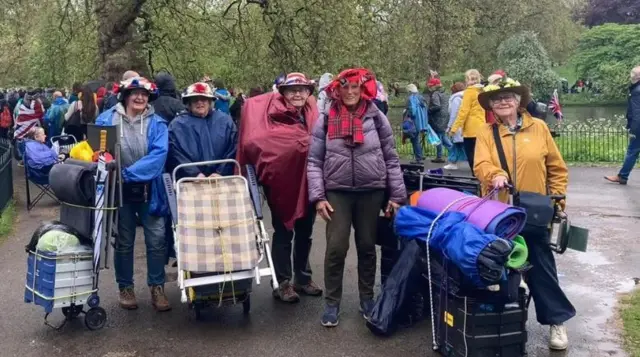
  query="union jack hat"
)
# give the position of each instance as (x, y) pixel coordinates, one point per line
(137, 83)
(199, 89)
(296, 79)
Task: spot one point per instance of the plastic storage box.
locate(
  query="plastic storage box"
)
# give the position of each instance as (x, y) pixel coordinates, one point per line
(478, 324)
(55, 281)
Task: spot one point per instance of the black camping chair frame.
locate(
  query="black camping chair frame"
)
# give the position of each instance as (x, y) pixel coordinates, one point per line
(66, 143)
(44, 189)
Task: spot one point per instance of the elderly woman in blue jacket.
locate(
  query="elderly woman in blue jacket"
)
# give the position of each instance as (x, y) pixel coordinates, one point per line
(143, 152)
(201, 134)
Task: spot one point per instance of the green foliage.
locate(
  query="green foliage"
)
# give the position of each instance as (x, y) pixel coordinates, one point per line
(606, 54)
(7, 220)
(630, 313)
(248, 45)
(525, 59)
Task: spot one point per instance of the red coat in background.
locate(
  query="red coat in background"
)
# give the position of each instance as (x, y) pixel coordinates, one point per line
(276, 142)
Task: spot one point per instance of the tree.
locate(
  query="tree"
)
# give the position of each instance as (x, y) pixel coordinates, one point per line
(525, 59)
(598, 12)
(606, 54)
(119, 44)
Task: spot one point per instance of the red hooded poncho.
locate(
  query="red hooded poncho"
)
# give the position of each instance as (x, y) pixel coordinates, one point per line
(274, 141)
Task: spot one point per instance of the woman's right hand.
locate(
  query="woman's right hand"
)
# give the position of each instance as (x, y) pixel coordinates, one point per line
(499, 182)
(324, 209)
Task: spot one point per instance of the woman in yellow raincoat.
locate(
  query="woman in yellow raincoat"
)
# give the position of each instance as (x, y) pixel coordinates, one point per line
(539, 168)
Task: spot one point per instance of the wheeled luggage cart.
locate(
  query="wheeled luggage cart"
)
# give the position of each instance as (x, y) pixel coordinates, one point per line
(70, 280)
(220, 239)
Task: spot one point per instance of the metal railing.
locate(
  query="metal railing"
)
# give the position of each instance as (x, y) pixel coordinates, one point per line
(586, 141)
(6, 173)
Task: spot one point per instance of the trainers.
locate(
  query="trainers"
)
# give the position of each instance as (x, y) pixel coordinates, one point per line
(558, 339)
(330, 316)
(366, 306)
(438, 160)
(616, 179)
(450, 167)
(311, 289)
(286, 293)
(127, 299)
(159, 299)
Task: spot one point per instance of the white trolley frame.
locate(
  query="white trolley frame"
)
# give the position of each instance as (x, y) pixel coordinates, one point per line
(262, 238)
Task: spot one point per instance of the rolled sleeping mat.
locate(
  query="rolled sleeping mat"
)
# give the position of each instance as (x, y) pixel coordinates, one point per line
(519, 254)
(491, 216)
(74, 184)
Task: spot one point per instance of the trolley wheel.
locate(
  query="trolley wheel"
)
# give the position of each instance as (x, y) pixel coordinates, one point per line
(71, 312)
(246, 305)
(95, 318)
(93, 300)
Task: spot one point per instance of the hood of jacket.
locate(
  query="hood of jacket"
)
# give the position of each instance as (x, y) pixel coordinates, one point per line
(281, 111)
(59, 101)
(166, 84)
(325, 79)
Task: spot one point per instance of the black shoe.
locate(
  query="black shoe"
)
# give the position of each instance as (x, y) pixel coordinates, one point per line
(438, 161)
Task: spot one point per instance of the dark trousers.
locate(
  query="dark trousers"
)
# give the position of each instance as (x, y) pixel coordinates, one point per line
(360, 209)
(299, 239)
(552, 305)
(469, 150)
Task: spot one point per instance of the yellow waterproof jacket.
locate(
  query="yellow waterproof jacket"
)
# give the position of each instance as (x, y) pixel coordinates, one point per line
(539, 165)
(471, 116)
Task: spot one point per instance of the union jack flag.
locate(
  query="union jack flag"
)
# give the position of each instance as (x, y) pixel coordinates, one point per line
(555, 107)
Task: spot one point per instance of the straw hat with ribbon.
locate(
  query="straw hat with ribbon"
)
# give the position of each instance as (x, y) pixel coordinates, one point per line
(507, 85)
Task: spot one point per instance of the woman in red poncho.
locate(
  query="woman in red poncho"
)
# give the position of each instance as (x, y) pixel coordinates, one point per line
(274, 137)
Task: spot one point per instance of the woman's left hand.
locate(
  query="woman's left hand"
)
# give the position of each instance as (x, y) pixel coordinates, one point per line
(392, 208)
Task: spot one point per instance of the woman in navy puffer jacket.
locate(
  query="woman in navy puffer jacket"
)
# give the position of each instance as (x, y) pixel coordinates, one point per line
(353, 169)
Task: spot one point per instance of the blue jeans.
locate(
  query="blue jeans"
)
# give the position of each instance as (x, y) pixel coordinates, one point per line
(417, 148)
(630, 159)
(154, 239)
(444, 139)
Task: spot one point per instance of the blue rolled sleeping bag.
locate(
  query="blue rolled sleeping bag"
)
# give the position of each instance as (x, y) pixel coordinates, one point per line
(459, 241)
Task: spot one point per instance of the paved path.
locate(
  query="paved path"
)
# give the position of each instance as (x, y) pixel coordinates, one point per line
(592, 281)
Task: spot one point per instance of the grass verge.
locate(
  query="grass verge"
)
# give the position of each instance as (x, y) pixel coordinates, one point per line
(630, 314)
(7, 219)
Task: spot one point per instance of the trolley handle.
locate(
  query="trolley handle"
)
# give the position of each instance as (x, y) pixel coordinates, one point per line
(253, 190)
(203, 163)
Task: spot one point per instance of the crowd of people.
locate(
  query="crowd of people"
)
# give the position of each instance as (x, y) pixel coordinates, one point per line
(334, 157)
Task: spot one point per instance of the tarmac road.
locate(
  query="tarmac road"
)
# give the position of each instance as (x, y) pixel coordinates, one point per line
(592, 281)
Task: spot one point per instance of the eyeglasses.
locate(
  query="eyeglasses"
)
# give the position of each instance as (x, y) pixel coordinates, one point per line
(296, 90)
(508, 98)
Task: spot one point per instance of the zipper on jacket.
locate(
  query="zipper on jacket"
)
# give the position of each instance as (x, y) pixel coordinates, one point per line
(353, 170)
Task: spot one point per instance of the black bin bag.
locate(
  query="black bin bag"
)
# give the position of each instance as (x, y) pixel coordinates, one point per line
(55, 226)
(390, 309)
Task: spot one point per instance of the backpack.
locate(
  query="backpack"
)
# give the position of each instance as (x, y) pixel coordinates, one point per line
(5, 118)
(76, 117)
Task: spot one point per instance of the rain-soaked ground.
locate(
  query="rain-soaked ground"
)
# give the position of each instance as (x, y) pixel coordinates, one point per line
(592, 281)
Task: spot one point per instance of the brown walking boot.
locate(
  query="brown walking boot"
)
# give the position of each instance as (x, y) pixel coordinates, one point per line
(286, 293)
(127, 299)
(616, 179)
(311, 289)
(159, 299)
